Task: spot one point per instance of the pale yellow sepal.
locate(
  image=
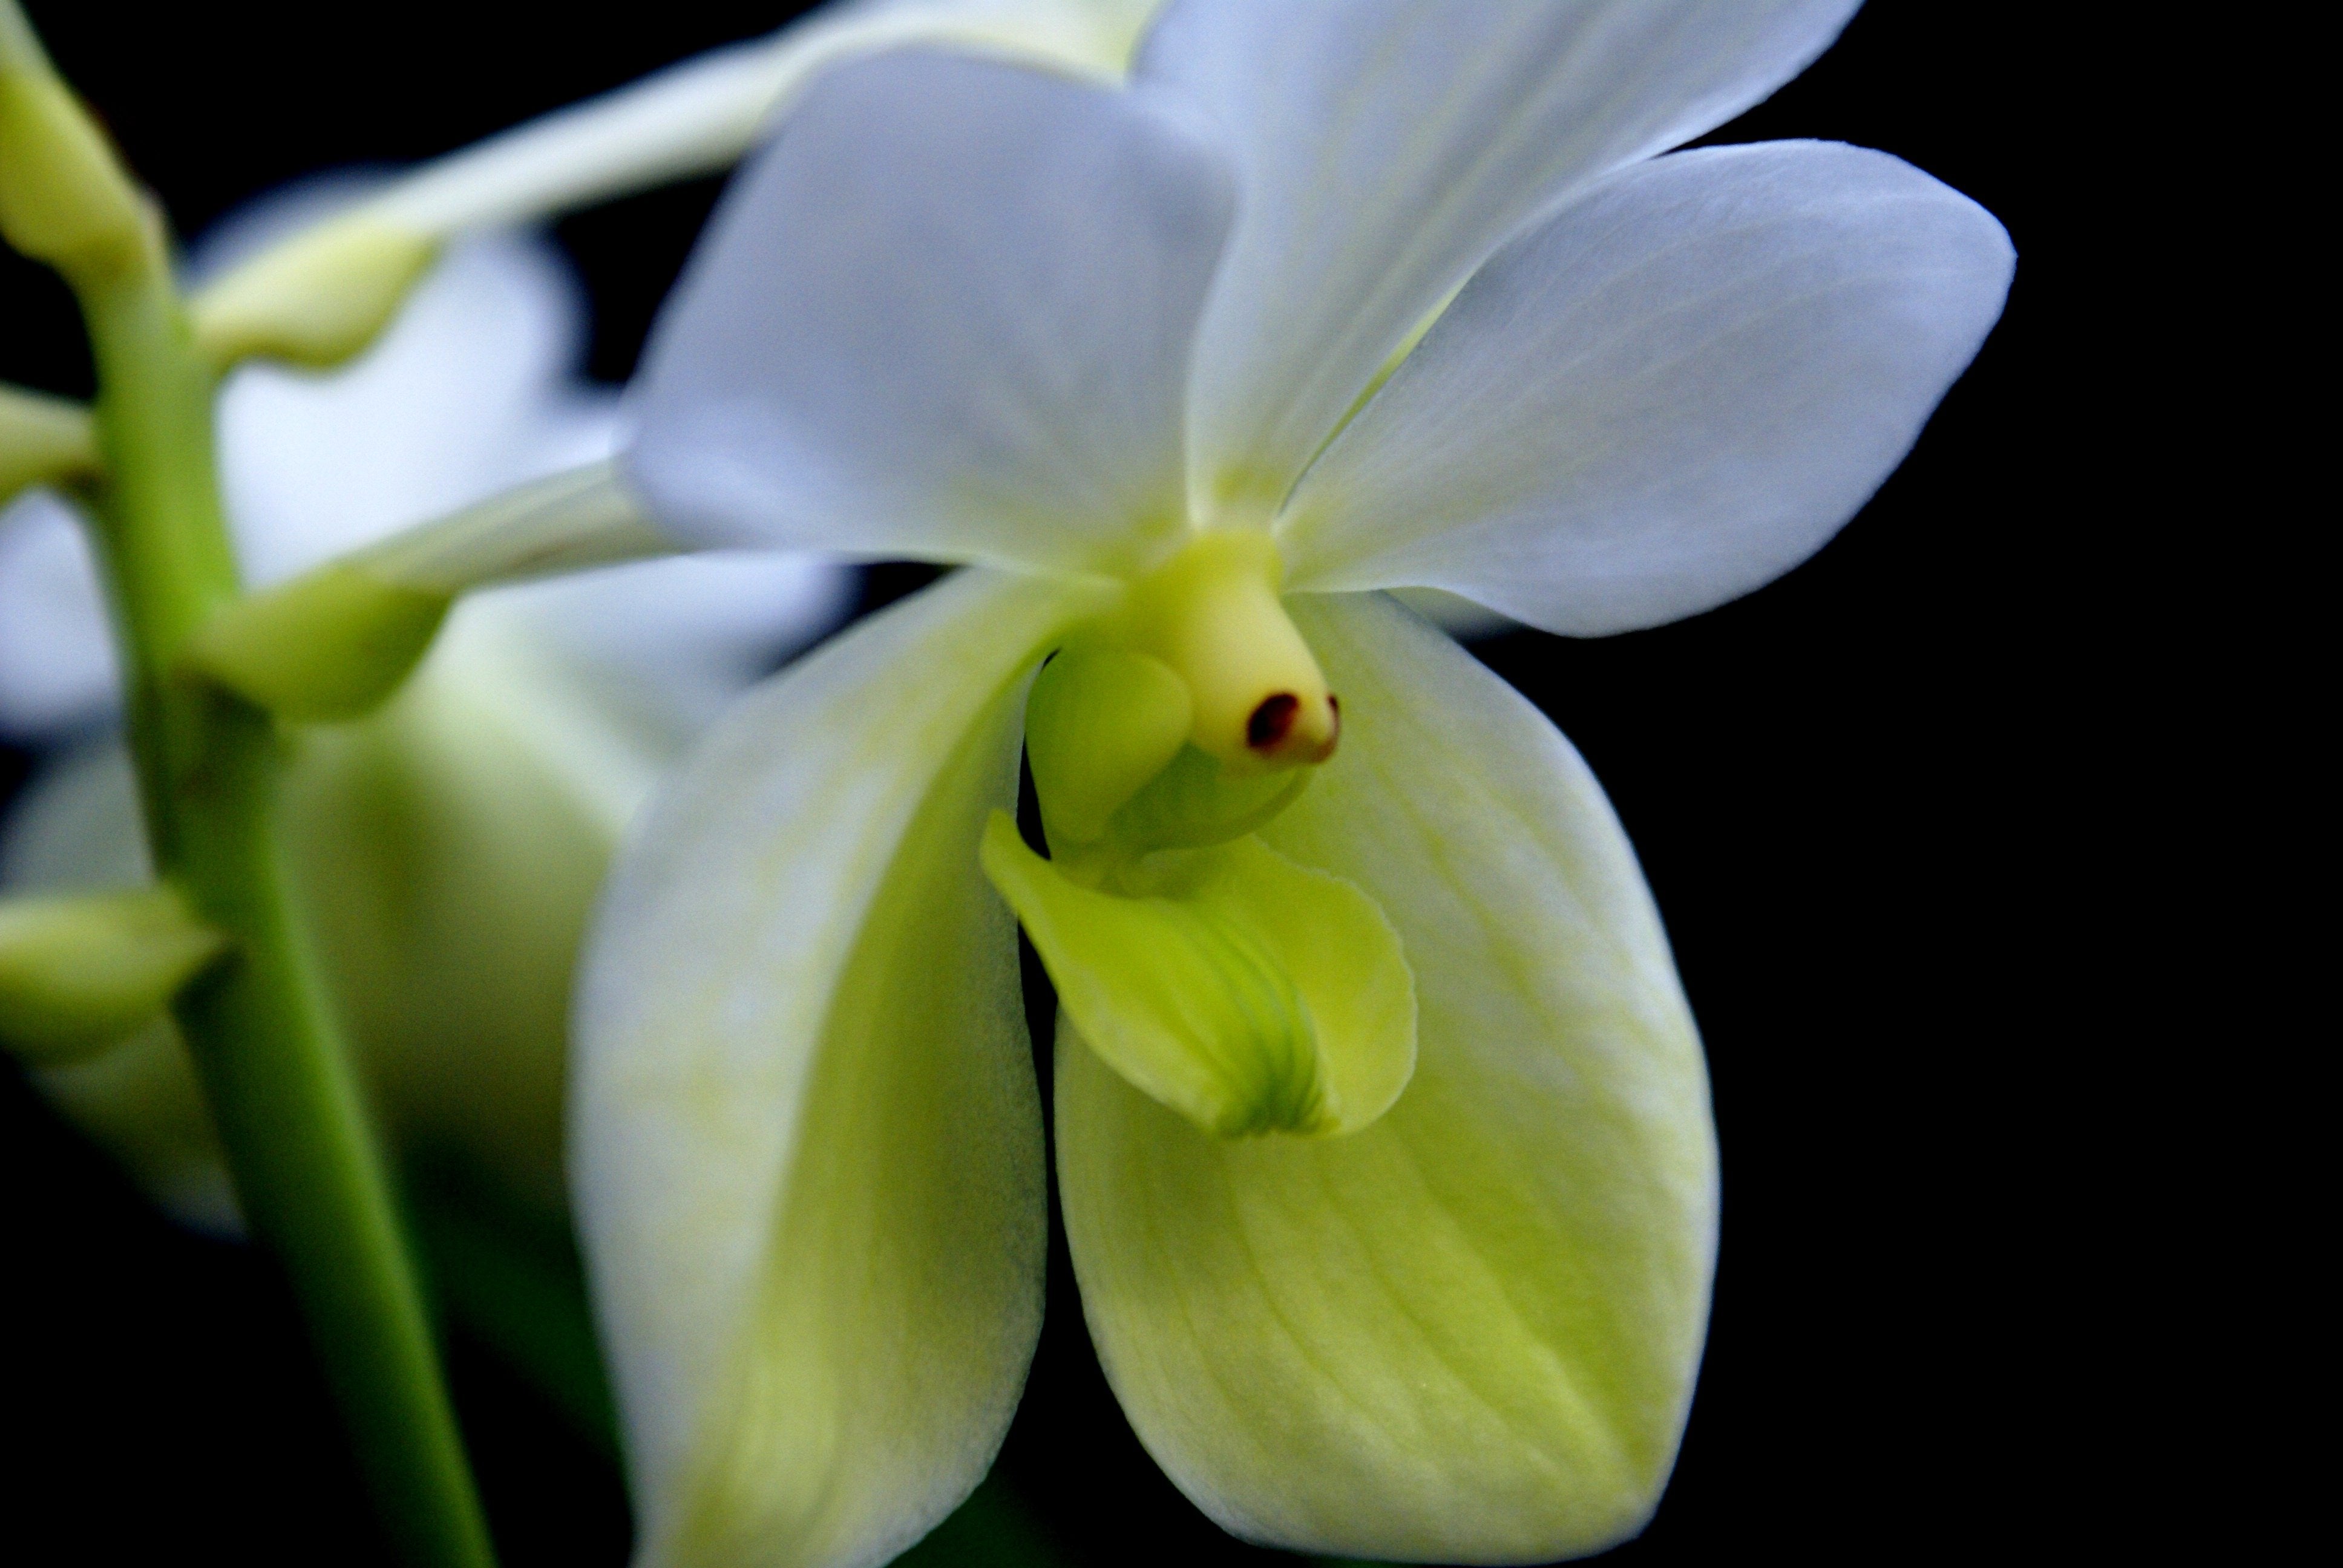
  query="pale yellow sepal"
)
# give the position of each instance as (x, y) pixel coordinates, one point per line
(42, 440)
(1468, 1332)
(318, 300)
(78, 973)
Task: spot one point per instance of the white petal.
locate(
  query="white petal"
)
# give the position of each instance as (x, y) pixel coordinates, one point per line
(805, 1142)
(56, 652)
(947, 315)
(665, 645)
(469, 392)
(1468, 1332)
(1457, 616)
(571, 521)
(1672, 393)
(1385, 147)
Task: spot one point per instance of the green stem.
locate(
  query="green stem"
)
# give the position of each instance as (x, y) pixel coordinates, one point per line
(307, 1173)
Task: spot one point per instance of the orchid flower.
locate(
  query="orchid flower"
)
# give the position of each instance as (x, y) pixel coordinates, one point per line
(1382, 1131)
(449, 846)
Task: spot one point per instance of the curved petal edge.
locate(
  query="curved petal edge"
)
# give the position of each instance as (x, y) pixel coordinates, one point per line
(1467, 1333)
(1665, 396)
(806, 1144)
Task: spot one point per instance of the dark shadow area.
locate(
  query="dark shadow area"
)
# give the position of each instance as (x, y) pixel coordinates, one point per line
(158, 1385)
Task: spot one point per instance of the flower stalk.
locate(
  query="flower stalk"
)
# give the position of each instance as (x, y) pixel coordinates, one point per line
(257, 1023)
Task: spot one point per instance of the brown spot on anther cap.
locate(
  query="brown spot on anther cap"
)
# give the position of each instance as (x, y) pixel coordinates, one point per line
(1272, 721)
(1325, 748)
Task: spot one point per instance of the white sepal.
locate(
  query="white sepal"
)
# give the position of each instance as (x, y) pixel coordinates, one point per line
(805, 1141)
(1668, 395)
(947, 315)
(1385, 148)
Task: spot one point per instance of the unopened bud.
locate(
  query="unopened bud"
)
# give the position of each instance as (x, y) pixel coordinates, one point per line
(328, 645)
(79, 973)
(65, 198)
(318, 300)
(43, 439)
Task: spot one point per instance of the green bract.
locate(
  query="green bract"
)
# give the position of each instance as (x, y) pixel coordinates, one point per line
(63, 198)
(79, 972)
(333, 651)
(1383, 1138)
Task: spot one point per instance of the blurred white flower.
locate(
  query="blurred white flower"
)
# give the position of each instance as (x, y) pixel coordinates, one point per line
(448, 846)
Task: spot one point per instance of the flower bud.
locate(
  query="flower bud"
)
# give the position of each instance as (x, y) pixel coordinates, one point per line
(64, 196)
(332, 645)
(78, 973)
(42, 440)
(318, 300)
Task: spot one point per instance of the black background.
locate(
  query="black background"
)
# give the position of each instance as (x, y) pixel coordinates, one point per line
(1852, 793)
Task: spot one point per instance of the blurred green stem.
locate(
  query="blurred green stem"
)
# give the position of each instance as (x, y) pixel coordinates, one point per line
(274, 1067)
